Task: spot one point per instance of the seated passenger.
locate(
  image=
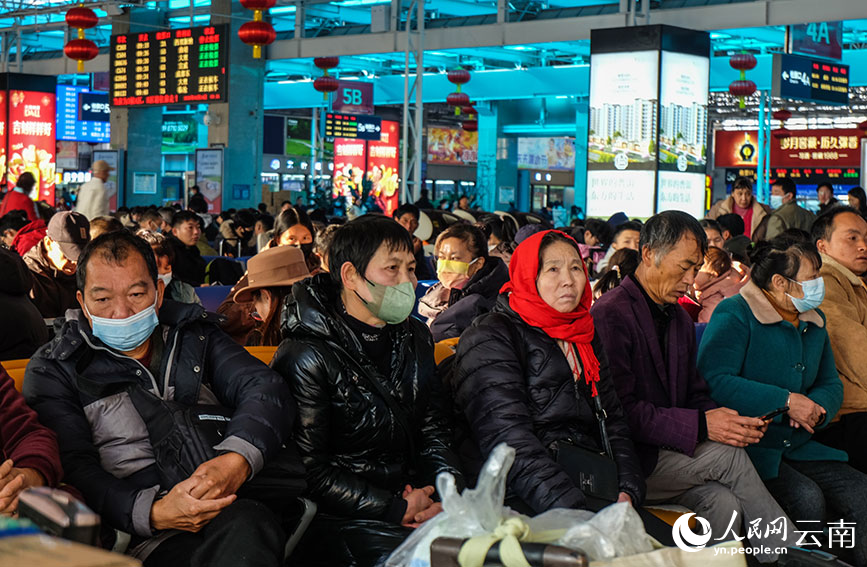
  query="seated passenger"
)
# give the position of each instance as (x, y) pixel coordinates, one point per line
(189, 266)
(101, 225)
(530, 373)
(270, 275)
(625, 236)
(52, 264)
(469, 281)
(235, 234)
(767, 348)
(690, 449)
(719, 278)
(841, 237)
(24, 329)
(28, 448)
(371, 425)
(176, 290)
(622, 264)
(111, 386)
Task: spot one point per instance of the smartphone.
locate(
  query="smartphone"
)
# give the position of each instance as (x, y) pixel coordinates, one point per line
(775, 413)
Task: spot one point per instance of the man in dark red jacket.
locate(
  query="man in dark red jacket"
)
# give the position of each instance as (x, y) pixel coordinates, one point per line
(29, 450)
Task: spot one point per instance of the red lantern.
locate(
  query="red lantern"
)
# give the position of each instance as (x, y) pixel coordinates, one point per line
(326, 85)
(863, 126)
(743, 61)
(81, 49)
(782, 115)
(459, 77)
(470, 125)
(469, 111)
(782, 134)
(458, 100)
(81, 18)
(326, 63)
(742, 88)
(257, 32)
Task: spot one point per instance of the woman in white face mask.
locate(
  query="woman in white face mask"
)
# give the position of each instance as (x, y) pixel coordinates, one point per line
(469, 281)
(176, 290)
(766, 349)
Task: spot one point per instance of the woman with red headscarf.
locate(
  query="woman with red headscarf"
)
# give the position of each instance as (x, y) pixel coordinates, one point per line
(532, 374)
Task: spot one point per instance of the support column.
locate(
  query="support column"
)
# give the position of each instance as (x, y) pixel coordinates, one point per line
(497, 173)
(241, 117)
(138, 131)
(580, 192)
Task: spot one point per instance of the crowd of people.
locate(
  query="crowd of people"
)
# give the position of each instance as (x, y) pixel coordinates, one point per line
(714, 364)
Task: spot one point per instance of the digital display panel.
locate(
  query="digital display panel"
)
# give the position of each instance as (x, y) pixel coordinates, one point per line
(383, 167)
(170, 66)
(31, 139)
(353, 127)
(74, 103)
(683, 123)
(804, 78)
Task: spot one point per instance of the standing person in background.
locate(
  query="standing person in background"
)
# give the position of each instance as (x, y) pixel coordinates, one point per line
(197, 202)
(743, 203)
(423, 201)
(92, 196)
(825, 194)
(787, 213)
(858, 200)
(463, 203)
(18, 198)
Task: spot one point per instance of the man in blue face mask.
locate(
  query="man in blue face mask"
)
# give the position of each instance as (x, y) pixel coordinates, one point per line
(112, 385)
(787, 213)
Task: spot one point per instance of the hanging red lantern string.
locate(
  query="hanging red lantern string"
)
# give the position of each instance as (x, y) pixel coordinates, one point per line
(458, 99)
(470, 125)
(782, 115)
(743, 88)
(257, 32)
(326, 83)
(81, 49)
(782, 134)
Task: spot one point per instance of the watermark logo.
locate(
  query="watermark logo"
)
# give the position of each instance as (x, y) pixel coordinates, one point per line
(685, 538)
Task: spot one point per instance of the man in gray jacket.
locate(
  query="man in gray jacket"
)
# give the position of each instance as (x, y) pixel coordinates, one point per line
(111, 385)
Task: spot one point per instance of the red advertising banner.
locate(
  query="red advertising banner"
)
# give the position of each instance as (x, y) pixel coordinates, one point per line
(383, 168)
(804, 148)
(2, 134)
(452, 146)
(350, 160)
(31, 139)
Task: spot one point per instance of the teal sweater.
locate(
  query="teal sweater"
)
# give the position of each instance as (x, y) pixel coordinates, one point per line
(751, 367)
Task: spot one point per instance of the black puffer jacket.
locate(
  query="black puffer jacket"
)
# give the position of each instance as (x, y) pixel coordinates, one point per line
(454, 310)
(357, 455)
(17, 311)
(531, 401)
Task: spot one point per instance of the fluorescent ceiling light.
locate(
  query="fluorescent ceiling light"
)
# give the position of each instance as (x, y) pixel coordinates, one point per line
(283, 10)
(348, 3)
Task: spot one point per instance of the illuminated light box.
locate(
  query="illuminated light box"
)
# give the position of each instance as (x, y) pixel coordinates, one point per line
(170, 66)
(648, 126)
(74, 106)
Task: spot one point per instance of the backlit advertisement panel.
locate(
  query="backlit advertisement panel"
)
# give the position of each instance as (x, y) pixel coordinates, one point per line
(2, 134)
(681, 192)
(552, 154)
(31, 139)
(452, 146)
(350, 160)
(623, 110)
(683, 119)
(383, 167)
(609, 192)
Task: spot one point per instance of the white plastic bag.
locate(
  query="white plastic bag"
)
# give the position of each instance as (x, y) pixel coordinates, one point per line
(613, 532)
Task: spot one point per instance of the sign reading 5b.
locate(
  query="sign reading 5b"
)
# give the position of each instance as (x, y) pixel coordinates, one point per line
(353, 97)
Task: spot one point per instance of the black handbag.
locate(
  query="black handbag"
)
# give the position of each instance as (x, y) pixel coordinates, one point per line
(592, 471)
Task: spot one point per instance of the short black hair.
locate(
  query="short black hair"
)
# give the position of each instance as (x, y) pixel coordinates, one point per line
(663, 231)
(185, 216)
(742, 182)
(244, 219)
(469, 234)
(13, 220)
(601, 230)
(779, 256)
(266, 220)
(786, 184)
(358, 240)
(628, 225)
(825, 183)
(115, 248)
(823, 226)
(406, 208)
(733, 223)
(26, 181)
(711, 224)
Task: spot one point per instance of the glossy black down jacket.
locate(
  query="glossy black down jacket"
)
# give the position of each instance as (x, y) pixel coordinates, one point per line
(531, 402)
(357, 455)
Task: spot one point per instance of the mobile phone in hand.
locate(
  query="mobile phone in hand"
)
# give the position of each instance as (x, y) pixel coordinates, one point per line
(775, 413)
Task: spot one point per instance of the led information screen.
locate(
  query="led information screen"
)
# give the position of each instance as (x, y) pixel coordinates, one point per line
(74, 103)
(170, 66)
(353, 127)
(804, 78)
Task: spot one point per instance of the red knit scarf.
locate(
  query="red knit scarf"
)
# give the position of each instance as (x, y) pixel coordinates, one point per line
(575, 327)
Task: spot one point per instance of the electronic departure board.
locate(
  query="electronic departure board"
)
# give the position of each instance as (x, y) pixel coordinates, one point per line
(805, 78)
(353, 127)
(170, 66)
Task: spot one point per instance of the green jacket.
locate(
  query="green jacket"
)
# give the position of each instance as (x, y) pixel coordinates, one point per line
(752, 358)
(790, 215)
